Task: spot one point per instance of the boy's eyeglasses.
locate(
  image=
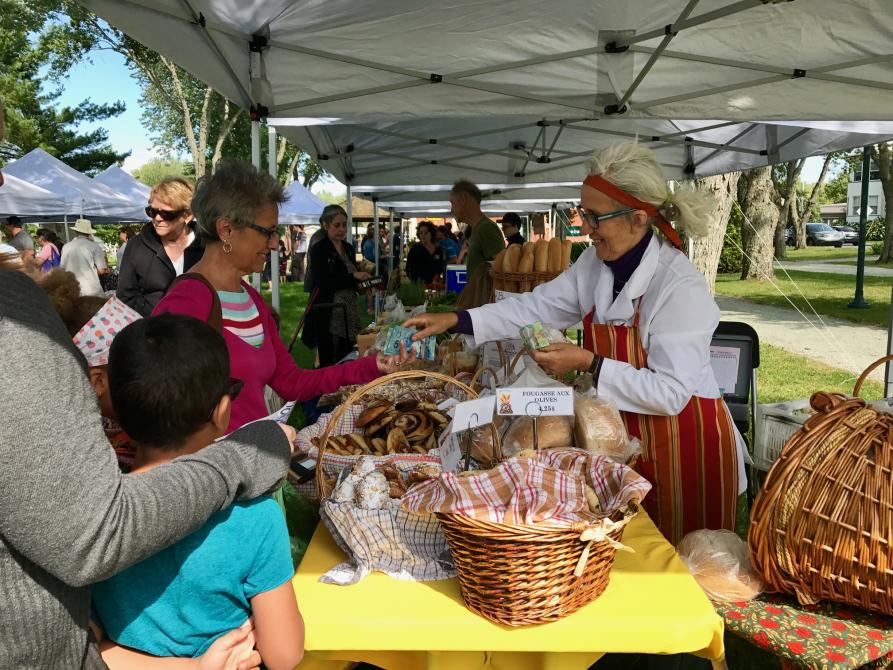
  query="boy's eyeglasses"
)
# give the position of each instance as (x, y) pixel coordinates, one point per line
(592, 219)
(165, 214)
(269, 232)
(233, 391)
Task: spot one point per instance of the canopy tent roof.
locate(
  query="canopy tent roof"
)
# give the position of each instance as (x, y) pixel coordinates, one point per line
(302, 208)
(82, 195)
(513, 91)
(19, 198)
(124, 183)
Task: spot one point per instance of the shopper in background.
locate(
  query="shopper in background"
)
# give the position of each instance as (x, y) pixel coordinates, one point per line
(85, 259)
(50, 256)
(166, 247)
(19, 238)
(124, 236)
(511, 228)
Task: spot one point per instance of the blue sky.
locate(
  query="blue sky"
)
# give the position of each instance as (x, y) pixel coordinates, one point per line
(107, 79)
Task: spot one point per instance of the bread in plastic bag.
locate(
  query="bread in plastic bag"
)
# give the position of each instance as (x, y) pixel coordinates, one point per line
(599, 428)
(552, 432)
(720, 563)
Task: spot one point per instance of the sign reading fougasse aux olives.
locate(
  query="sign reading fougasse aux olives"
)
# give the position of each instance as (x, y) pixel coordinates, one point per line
(558, 401)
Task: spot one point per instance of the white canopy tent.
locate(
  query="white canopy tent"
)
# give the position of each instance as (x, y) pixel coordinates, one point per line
(19, 198)
(82, 195)
(124, 183)
(302, 208)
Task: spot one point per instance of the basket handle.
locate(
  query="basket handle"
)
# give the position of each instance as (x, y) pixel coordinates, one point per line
(357, 395)
(514, 362)
(868, 371)
(480, 373)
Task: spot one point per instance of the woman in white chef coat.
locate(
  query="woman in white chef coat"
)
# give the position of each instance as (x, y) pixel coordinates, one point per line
(648, 319)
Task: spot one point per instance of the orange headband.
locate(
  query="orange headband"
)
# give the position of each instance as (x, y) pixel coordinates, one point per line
(606, 187)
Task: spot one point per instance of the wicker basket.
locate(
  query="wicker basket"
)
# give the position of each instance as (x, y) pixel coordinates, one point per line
(517, 282)
(822, 525)
(524, 575)
(358, 396)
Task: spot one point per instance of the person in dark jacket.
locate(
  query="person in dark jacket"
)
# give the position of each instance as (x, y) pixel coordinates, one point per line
(425, 260)
(333, 327)
(166, 247)
(511, 228)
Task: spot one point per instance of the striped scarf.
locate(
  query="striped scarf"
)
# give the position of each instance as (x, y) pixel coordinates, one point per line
(241, 318)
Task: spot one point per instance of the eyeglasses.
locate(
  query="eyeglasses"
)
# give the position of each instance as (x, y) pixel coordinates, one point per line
(233, 391)
(269, 232)
(592, 219)
(165, 214)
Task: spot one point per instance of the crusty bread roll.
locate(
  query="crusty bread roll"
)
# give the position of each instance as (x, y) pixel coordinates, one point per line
(525, 267)
(554, 264)
(599, 428)
(552, 431)
(541, 256)
(566, 248)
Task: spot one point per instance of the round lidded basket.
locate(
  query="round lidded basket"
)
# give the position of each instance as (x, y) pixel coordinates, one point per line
(361, 393)
(822, 522)
(522, 575)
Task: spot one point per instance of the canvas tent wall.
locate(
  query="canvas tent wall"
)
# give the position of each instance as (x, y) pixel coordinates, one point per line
(82, 195)
(124, 183)
(302, 206)
(19, 198)
(515, 91)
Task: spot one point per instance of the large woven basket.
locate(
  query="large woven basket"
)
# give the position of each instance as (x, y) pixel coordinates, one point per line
(524, 575)
(517, 282)
(822, 525)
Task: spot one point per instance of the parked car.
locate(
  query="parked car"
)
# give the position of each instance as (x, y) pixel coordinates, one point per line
(789, 237)
(850, 234)
(821, 234)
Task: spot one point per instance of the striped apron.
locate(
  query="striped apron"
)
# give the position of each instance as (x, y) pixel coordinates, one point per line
(690, 459)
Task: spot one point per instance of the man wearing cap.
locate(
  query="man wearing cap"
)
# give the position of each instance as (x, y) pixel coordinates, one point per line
(511, 228)
(85, 259)
(20, 239)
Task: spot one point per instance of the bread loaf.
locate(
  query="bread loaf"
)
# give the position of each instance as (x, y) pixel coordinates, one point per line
(554, 264)
(552, 431)
(541, 256)
(599, 428)
(497, 267)
(528, 247)
(566, 248)
(510, 264)
(525, 267)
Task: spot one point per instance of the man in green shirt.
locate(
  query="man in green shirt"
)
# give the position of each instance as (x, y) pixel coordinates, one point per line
(484, 237)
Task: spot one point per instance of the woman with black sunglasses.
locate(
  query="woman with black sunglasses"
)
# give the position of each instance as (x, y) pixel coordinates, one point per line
(648, 319)
(238, 212)
(166, 247)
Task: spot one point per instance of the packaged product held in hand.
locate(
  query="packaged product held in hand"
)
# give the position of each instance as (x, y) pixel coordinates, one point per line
(425, 349)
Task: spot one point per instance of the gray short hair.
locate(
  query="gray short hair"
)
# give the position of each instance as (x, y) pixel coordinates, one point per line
(236, 191)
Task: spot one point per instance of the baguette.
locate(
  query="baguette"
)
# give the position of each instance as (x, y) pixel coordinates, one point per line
(510, 264)
(566, 248)
(497, 267)
(541, 256)
(528, 248)
(525, 267)
(554, 263)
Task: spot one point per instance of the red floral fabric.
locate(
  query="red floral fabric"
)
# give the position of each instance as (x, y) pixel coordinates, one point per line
(827, 636)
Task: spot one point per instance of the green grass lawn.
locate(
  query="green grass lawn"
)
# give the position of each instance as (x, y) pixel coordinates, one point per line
(868, 264)
(828, 293)
(820, 253)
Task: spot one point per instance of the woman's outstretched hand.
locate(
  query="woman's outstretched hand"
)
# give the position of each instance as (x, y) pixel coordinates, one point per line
(389, 364)
(431, 324)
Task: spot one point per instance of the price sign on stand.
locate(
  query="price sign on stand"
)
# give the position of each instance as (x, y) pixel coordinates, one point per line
(535, 402)
(466, 416)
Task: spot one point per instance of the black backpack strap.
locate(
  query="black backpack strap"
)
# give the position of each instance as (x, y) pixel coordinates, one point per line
(215, 317)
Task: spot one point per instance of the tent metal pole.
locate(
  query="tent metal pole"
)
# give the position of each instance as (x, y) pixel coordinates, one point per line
(274, 254)
(67, 231)
(858, 301)
(349, 209)
(888, 376)
(376, 237)
(255, 161)
(391, 242)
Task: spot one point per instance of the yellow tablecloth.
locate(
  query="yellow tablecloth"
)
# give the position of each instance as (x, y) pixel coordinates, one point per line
(652, 605)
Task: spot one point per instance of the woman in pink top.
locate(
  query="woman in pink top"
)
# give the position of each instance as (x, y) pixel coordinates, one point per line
(237, 212)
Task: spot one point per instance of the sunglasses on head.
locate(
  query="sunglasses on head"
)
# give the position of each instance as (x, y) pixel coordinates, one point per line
(269, 232)
(233, 390)
(592, 219)
(165, 214)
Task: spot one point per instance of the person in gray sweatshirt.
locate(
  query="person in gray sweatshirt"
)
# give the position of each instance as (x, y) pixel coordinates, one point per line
(68, 517)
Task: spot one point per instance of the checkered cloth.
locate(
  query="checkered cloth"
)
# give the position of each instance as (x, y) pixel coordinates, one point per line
(333, 464)
(548, 489)
(402, 544)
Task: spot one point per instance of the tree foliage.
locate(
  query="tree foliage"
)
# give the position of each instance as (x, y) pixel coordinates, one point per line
(153, 171)
(30, 33)
(835, 190)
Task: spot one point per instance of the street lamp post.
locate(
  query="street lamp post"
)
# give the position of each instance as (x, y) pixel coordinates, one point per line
(858, 301)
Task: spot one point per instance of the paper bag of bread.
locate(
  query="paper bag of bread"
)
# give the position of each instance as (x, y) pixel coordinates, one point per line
(599, 428)
(720, 563)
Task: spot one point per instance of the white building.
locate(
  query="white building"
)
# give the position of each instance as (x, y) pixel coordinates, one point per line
(877, 206)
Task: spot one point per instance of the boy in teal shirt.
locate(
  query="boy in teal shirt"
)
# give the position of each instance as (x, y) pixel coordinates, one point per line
(170, 387)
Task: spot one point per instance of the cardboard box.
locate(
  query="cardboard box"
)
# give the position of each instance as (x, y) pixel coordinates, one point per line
(364, 342)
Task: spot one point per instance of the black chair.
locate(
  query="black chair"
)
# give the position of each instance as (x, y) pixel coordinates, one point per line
(735, 357)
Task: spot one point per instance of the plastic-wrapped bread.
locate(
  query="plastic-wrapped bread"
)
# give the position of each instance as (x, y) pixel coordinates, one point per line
(566, 248)
(552, 431)
(554, 255)
(510, 264)
(599, 428)
(525, 267)
(373, 491)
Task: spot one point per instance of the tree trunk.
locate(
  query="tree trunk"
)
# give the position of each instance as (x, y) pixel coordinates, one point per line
(789, 204)
(228, 123)
(761, 217)
(800, 221)
(883, 155)
(292, 167)
(198, 159)
(203, 123)
(706, 250)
